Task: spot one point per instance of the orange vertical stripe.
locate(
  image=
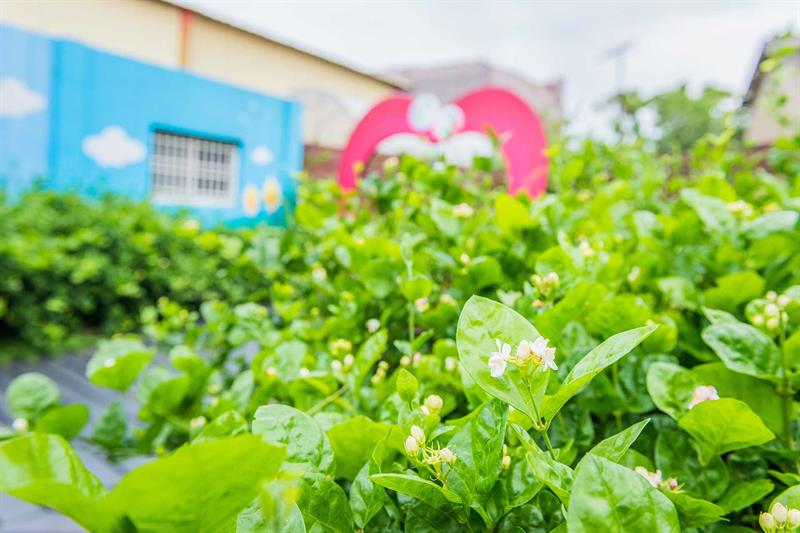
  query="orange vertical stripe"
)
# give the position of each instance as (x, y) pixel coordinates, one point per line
(183, 43)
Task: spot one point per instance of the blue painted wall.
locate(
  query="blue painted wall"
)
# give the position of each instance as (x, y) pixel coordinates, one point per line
(87, 91)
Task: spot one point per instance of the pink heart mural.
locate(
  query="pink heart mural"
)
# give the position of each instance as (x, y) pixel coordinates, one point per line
(517, 125)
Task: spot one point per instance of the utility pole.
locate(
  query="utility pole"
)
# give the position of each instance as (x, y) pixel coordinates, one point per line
(618, 54)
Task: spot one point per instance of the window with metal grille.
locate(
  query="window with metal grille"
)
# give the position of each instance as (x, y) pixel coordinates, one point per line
(193, 171)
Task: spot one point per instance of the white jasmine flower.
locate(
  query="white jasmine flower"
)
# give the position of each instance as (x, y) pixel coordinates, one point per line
(411, 445)
(634, 274)
(499, 359)
(434, 403)
(421, 304)
(450, 363)
(373, 325)
(197, 422)
(654, 478)
(447, 456)
(585, 249)
(539, 351)
(462, 210)
(108, 363)
(418, 434)
(20, 425)
(703, 393)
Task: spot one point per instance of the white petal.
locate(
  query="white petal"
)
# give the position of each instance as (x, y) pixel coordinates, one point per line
(524, 349)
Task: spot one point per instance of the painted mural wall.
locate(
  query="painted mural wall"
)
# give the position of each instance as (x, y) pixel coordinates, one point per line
(79, 119)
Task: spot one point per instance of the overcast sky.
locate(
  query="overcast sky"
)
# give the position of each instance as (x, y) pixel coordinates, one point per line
(697, 41)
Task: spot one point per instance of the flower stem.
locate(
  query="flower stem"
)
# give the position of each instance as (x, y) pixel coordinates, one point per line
(325, 401)
(537, 424)
(785, 390)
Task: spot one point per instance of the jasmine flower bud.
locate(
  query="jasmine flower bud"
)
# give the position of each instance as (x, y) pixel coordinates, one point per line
(20, 425)
(418, 434)
(793, 519)
(758, 320)
(767, 522)
(772, 296)
(450, 363)
(411, 446)
(405, 361)
(348, 360)
(772, 310)
(197, 422)
(784, 300)
(373, 325)
(434, 403)
(108, 363)
(304, 372)
(336, 366)
(773, 323)
(421, 304)
(447, 456)
(506, 462)
(271, 371)
(779, 512)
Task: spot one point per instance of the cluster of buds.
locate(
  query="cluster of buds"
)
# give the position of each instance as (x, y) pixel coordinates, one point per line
(422, 304)
(546, 285)
(774, 313)
(432, 405)
(341, 346)
(506, 458)
(434, 459)
(344, 365)
(779, 519)
(740, 208)
(656, 479)
(380, 373)
(536, 352)
(703, 393)
(462, 210)
(407, 361)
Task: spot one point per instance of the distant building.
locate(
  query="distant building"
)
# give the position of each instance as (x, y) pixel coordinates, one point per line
(448, 82)
(764, 125)
(172, 81)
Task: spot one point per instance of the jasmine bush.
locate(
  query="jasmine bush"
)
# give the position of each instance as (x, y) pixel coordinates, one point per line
(434, 354)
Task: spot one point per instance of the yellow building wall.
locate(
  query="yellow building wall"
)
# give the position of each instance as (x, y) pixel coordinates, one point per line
(763, 128)
(140, 29)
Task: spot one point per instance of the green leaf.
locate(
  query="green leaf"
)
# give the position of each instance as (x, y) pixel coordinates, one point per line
(200, 487)
(770, 223)
(614, 447)
(304, 440)
(366, 498)
(416, 287)
(733, 290)
(368, 354)
(606, 354)
(481, 322)
(713, 212)
(510, 213)
(416, 487)
(112, 428)
(724, 425)
(407, 385)
(324, 506)
(611, 498)
(790, 498)
(354, 440)
(228, 424)
(479, 448)
(557, 476)
(672, 387)
(676, 456)
(30, 394)
(161, 391)
(118, 362)
(758, 394)
(694, 512)
(744, 349)
(744, 494)
(66, 421)
(43, 469)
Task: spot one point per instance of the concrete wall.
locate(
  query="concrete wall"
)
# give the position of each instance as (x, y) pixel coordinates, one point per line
(85, 94)
(762, 126)
(157, 32)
